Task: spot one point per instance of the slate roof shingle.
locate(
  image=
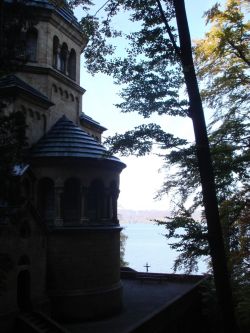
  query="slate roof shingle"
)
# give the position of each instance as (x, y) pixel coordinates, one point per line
(65, 139)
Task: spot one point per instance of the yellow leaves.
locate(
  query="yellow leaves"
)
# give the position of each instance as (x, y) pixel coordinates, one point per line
(228, 39)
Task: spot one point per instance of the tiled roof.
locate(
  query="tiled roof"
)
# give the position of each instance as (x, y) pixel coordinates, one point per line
(65, 139)
(91, 121)
(63, 11)
(10, 82)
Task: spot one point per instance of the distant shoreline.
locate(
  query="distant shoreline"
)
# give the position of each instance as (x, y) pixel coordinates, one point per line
(128, 216)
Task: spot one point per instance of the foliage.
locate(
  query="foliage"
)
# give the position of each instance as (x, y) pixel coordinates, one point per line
(140, 141)
(151, 79)
(12, 150)
(151, 82)
(190, 239)
(223, 59)
(15, 20)
(123, 239)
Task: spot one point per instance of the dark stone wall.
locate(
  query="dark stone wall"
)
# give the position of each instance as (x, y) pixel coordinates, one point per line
(23, 248)
(84, 271)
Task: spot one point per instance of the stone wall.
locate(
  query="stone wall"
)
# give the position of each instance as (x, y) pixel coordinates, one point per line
(23, 248)
(84, 272)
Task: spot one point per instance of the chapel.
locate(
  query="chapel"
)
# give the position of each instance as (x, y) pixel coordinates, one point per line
(63, 248)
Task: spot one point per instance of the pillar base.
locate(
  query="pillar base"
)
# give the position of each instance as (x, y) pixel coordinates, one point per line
(80, 304)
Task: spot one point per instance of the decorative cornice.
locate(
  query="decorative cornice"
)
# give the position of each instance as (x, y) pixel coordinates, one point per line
(54, 73)
(11, 85)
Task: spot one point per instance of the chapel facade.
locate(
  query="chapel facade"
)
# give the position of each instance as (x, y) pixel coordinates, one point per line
(62, 250)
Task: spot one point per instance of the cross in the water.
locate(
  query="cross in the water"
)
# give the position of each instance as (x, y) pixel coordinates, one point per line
(147, 267)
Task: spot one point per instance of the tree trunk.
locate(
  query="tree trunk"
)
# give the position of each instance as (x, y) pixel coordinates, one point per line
(215, 238)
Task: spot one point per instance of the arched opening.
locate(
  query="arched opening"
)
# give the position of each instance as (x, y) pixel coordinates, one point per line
(46, 200)
(31, 44)
(23, 290)
(71, 203)
(63, 58)
(56, 58)
(96, 201)
(72, 64)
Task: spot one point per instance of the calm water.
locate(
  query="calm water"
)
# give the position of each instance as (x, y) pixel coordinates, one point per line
(146, 244)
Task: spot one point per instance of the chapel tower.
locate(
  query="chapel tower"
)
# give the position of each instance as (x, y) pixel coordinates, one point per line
(71, 184)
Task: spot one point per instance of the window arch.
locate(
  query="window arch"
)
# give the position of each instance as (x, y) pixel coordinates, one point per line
(63, 58)
(96, 200)
(31, 44)
(72, 64)
(71, 202)
(54, 88)
(23, 291)
(56, 58)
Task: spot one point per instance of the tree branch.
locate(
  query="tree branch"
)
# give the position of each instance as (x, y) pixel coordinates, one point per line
(171, 36)
(239, 52)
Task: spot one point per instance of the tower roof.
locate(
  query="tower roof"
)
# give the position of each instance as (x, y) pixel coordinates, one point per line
(90, 121)
(60, 7)
(65, 139)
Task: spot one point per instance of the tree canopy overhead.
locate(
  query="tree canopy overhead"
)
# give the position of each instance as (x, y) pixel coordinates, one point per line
(148, 69)
(223, 59)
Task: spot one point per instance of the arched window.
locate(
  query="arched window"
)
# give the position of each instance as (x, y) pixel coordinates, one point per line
(23, 291)
(96, 201)
(46, 200)
(71, 203)
(63, 58)
(72, 64)
(31, 44)
(56, 58)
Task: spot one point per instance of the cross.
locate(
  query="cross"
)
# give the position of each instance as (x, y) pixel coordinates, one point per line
(147, 266)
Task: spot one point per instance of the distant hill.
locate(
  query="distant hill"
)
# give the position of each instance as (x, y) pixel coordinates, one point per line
(145, 216)
(140, 216)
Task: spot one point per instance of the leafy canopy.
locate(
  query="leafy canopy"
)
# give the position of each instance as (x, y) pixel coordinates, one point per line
(223, 58)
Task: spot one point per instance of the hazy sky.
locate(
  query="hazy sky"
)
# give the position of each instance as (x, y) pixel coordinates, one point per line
(142, 177)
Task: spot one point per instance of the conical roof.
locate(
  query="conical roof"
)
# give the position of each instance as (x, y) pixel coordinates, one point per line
(65, 139)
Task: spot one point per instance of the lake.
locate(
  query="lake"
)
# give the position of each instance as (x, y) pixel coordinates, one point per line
(146, 244)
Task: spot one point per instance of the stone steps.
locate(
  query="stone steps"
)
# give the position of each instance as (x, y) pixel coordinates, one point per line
(39, 322)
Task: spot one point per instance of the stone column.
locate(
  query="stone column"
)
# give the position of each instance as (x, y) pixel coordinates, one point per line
(114, 194)
(110, 205)
(105, 217)
(58, 205)
(67, 63)
(58, 59)
(84, 192)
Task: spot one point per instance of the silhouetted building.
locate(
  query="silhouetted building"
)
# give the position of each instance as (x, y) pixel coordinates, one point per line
(62, 254)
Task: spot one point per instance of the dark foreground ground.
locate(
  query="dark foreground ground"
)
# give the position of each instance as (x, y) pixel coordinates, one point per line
(144, 299)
